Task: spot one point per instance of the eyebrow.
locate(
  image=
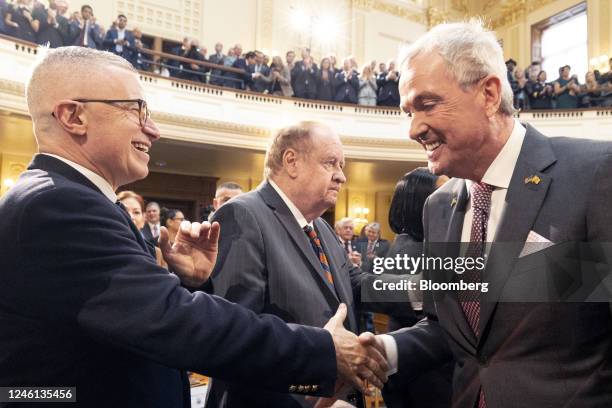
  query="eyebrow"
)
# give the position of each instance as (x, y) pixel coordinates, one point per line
(421, 98)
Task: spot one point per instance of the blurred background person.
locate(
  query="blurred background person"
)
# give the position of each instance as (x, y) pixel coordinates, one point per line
(388, 93)
(216, 75)
(281, 78)
(224, 193)
(345, 229)
(519, 88)
(347, 83)
(367, 86)
(134, 205)
(19, 21)
(540, 93)
(566, 89)
(372, 246)
(171, 219)
(48, 26)
(120, 41)
(304, 78)
(152, 227)
(325, 81)
(260, 80)
(90, 33)
(590, 92)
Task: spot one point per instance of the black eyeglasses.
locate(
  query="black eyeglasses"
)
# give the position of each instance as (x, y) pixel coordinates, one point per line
(143, 110)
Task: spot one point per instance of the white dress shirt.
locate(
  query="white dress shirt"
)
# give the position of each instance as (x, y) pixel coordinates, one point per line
(498, 175)
(299, 217)
(120, 37)
(103, 185)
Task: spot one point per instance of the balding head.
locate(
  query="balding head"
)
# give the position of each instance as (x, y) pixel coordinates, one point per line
(68, 72)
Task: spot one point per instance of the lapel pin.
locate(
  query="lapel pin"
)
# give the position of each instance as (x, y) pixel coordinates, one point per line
(454, 200)
(533, 179)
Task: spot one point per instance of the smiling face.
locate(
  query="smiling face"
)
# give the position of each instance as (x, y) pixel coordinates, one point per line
(115, 144)
(133, 208)
(449, 122)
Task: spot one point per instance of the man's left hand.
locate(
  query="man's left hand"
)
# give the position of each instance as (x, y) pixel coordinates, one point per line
(193, 255)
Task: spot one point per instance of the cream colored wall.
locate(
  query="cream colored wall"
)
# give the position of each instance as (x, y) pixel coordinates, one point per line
(517, 36)
(230, 22)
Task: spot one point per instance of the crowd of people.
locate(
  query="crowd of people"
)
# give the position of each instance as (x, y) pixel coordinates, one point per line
(533, 90)
(371, 84)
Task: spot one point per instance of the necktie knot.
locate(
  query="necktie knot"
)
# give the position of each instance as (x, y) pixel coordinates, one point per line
(481, 196)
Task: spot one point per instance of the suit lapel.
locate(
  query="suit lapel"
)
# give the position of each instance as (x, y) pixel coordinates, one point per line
(523, 201)
(448, 245)
(331, 245)
(296, 234)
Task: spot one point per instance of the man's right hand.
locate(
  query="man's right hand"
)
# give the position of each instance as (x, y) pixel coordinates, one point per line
(356, 363)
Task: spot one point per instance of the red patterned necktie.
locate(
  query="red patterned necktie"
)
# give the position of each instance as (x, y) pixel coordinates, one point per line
(316, 245)
(470, 300)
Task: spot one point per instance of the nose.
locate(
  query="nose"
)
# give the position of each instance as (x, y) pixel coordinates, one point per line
(340, 177)
(418, 127)
(150, 129)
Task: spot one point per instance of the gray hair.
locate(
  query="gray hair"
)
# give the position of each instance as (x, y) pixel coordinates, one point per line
(470, 51)
(80, 63)
(374, 225)
(296, 137)
(342, 222)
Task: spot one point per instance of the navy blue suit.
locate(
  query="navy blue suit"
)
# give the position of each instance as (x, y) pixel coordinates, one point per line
(83, 303)
(347, 89)
(128, 50)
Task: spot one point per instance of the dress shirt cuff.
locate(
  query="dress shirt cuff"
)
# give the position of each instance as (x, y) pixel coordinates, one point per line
(391, 352)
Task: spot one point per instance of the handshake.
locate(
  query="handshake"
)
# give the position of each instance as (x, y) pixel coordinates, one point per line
(359, 359)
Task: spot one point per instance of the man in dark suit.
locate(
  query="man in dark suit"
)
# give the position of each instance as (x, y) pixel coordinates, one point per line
(120, 41)
(388, 93)
(259, 74)
(82, 301)
(216, 75)
(372, 246)
(241, 81)
(89, 32)
(279, 256)
(304, 78)
(518, 344)
(152, 226)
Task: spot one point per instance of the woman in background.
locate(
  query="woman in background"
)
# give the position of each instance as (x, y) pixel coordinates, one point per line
(367, 87)
(432, 389)
(134, 205)
(171, 219)
(325, 81)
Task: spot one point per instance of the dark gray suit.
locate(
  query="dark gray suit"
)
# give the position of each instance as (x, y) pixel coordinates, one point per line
(528, 354)
(266, 263)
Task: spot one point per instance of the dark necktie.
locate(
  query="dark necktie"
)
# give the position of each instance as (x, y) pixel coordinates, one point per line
(347, 247)
(316, 245)
(470, 300)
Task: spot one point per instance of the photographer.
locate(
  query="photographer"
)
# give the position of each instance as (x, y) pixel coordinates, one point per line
(566, 89)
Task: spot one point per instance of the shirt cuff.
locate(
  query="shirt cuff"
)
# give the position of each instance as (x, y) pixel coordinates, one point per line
(391, 352)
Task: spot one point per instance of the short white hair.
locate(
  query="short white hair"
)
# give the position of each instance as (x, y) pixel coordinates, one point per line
(471, 52)
(343, 221)
(81, 65)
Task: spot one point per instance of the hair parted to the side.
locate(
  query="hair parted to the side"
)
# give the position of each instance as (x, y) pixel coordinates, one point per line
(471, 52)
(77, 62)
(295, 137)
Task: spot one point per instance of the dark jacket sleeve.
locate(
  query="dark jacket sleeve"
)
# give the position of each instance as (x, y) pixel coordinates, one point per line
(91, 273)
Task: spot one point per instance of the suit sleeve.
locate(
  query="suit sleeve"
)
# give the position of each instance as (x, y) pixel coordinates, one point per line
(240, 273)
(109, 41)
(423, 346)
(90, 273)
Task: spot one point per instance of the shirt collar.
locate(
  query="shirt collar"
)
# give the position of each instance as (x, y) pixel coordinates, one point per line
(500, 171)
(103, 185)
(294, 210)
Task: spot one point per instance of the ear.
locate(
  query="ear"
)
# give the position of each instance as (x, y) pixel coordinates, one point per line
(491, 90)
(290, 162)
(71, 117)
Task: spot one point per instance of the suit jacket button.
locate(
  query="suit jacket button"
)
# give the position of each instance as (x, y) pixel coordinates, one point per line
(292, 388)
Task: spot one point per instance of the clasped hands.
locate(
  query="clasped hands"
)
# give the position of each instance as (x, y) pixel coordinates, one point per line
(359, 360)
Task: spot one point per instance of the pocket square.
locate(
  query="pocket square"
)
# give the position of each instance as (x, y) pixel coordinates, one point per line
(534, 243)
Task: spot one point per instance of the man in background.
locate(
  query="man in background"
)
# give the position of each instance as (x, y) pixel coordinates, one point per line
(90, 33)
(372, 246)
(345, 229)
(152, 225)
(223, 194)
(120, 41)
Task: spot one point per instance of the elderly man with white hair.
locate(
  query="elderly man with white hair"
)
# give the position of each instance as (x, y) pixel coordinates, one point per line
(83, 302)
(345, 229)
(518, 344)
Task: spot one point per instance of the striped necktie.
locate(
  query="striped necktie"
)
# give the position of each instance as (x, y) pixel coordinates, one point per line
(316, 245)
